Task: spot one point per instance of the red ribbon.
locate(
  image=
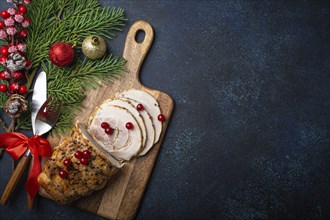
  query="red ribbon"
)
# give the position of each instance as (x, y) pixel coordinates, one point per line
(16, 144)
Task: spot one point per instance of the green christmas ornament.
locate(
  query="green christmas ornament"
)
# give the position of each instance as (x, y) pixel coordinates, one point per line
(94, 47)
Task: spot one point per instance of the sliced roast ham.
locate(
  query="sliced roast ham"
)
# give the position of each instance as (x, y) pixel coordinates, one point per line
(84, 130)
(149, 126)
(150, 105)
(130, 107)
(123, 143)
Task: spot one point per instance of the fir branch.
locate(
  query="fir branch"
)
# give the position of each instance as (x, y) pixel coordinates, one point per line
(3, 99)
(24, 121)
(3, 125)
(64, 123)
(68, 84)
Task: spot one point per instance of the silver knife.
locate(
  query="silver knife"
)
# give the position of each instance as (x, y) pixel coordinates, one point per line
(39, 96)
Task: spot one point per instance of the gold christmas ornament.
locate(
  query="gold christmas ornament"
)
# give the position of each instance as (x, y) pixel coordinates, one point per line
(15, 105)
(94, 47)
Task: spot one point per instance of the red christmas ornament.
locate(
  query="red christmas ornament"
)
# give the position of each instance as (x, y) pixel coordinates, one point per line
(4, 14)
(3, 88)
(4, 51)
(61, 54)
(23, 33)
(2, 24)
(22, 90)
(22, 9)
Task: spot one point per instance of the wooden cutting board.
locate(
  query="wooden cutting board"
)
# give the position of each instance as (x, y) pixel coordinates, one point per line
(121, 198)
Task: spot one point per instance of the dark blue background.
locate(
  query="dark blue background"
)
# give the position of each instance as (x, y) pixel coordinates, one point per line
(249, 137)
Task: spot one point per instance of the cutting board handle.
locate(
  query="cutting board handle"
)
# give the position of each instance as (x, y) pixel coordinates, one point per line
(135, 52)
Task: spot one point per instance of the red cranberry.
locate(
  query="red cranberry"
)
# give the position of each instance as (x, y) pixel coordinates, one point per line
(63, 174)
(86, 154)
(78, 154)
(84, 161)
(161, 118)
(139, 107)
(129, 125)
(108, 130)
(67, 163)
(105, 125)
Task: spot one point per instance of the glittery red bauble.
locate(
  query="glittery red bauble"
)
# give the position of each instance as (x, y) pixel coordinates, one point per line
(61, 54)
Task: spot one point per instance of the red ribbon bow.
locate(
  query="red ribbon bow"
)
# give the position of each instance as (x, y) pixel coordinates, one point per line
(16, 144)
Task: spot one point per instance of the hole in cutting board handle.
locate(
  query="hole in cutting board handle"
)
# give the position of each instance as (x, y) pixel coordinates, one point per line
(140, 36)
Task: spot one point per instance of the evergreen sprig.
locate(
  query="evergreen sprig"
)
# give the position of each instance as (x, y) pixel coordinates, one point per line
(70, 21)
(3, 99)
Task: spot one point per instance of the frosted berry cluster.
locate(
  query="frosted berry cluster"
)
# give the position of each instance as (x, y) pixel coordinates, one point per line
(13, 24)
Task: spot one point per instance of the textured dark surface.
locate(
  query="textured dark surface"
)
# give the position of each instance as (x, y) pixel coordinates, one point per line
(250, 134)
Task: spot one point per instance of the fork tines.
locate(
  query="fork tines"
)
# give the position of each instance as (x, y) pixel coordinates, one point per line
(49, 111)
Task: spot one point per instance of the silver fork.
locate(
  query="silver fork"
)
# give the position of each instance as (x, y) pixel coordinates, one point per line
(48, 115)
(46, 118)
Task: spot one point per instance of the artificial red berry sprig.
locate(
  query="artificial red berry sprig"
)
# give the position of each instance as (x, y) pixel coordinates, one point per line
(12, 58)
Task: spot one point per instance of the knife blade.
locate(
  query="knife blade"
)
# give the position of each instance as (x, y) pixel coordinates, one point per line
(39, 96)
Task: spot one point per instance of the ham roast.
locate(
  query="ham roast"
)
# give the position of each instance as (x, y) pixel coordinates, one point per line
(82, 179)
(109, 152)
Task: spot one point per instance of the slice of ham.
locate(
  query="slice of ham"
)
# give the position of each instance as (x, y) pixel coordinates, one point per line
(149, 127)
(84, 130)
(150, 105)
(130, 107)
(123, 144)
